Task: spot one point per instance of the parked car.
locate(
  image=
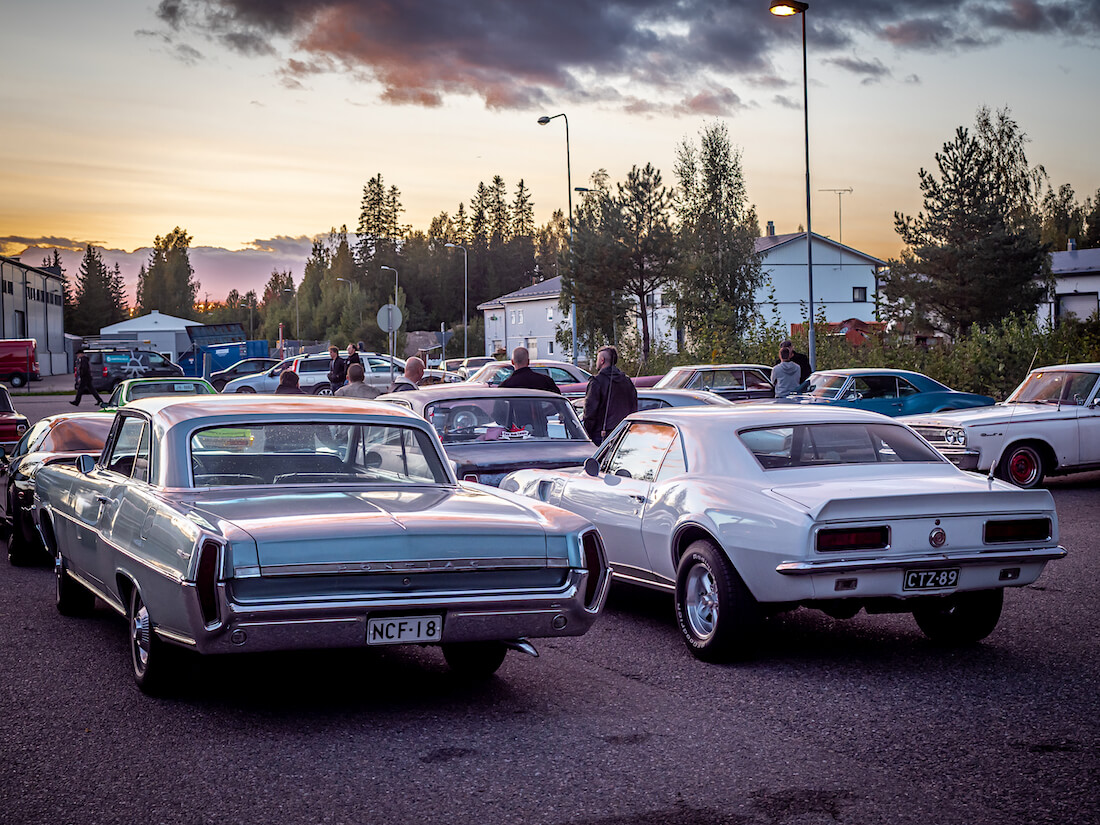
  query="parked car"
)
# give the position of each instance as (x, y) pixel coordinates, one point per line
(561, 371)
(12, 423)
(312, 376)
(580, 388)
(247, 366)
(1049, 425)
(736, 382)
(134, 388)
(109, 365)
(488, 432)
(19, 361)
(56, 438)
(433, 377)
(654, 399)
(747, 511)
(465, 366)
(890, 392)
(341, 525)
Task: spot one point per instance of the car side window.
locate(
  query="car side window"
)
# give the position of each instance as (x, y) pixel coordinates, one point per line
(755, 381)
(674, 463)
(641, 450)
(905, 388)
(154, 359)
(560, 376)
(130, 443)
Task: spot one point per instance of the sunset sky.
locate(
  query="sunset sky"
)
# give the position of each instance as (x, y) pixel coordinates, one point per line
(254, 124)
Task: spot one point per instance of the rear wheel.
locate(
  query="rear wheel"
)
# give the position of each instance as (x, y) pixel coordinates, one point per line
(475, 660)
(1022, 465)
(717, 614)
(246, 390)
(153, 660)
(323, 389)
(73, 598)
(961, 619)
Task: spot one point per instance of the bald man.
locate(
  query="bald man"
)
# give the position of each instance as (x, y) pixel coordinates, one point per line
(414, 371)
(525, 378)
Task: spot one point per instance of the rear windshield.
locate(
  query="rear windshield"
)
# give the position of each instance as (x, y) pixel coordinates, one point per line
(169, 388)
(811, 445)
(311, 453)
(504, 418)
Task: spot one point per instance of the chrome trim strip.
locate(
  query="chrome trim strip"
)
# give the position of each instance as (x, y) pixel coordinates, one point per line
(828, 566)
(173, 636)
(617, 573)
(411, 566)
(113, 603)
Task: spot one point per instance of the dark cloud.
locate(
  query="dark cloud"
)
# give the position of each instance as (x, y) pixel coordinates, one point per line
(685, 55)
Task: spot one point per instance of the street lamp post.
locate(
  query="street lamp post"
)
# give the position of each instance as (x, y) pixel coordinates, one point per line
(465, 298)
(569, 182)
(249, 305)
(786, 8)
(297, 316)
(393, 333)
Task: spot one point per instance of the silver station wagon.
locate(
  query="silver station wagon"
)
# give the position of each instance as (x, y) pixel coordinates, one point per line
(224, 524)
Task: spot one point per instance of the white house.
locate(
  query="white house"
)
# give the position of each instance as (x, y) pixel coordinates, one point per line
(161, 333)
(844, 288)
(1077, 284)
(529, 317)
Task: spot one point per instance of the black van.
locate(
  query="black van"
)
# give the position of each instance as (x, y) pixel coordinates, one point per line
(111, 365)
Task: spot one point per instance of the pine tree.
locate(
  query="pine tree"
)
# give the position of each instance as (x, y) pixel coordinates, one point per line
(168, 284)
(99, 300)
(973, 255)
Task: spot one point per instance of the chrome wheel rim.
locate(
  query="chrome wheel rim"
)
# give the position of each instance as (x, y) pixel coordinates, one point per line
(701, 601)
(1023, 467)
(139, 635)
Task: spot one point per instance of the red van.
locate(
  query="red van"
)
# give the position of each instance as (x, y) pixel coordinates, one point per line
(19, 361)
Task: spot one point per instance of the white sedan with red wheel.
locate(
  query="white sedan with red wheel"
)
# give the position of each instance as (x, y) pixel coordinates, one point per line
(750, 511)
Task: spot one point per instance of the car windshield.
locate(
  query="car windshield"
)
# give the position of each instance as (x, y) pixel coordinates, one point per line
(5, 401)
(169, 388)
(303, 452)
(1060, 387)
(86, 433)
(504, 418)
(824, 384)
(814, 445)
(675, 379)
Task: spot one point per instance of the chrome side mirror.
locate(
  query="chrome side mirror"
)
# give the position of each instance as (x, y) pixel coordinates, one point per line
(592, 466)
(85, 463)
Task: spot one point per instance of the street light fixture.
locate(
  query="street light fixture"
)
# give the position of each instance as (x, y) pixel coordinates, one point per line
(249, 305)
(393, 334)
(569, 182)
(786, 8)
(465, 298)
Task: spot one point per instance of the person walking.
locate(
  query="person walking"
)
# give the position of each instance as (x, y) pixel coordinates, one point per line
(525, 378)
(355, 388)
(337, 369)
(610, 397)
(803, 362)
(786, 375)
(84, 380)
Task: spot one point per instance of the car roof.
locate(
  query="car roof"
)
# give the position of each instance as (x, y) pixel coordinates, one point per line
(1085, 365)
(849, 371)
(720, 367)
(177, 409)
(760, 414)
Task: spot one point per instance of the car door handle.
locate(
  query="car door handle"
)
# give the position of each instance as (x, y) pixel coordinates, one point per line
(103, 499)
(637, 498)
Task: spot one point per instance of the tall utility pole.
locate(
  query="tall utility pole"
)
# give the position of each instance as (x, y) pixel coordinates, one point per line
(840, 193)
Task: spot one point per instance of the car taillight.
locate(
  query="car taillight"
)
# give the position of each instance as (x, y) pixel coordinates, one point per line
(105, 373)
(1022, 529)
(594, 561)
(853, 538)
(206, 581)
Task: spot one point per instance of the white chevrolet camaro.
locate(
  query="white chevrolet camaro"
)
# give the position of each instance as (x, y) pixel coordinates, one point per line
(749, 511)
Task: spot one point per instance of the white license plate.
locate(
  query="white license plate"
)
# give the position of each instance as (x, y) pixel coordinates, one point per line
(403, 630)
(931, 579)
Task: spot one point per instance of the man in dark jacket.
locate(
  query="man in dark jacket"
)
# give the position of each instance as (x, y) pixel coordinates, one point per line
(84, 380)
(337, 369)
(525, 378)
(610, 398)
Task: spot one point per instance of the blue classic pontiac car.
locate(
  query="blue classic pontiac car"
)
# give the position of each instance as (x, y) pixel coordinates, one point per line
(335, 523)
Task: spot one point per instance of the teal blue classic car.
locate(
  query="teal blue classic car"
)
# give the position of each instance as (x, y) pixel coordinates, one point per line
(885, 391)
(338, 522)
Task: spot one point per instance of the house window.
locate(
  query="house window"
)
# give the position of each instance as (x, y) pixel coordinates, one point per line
(859, 294)
(513, 314)
(519, 316)
(549, 313)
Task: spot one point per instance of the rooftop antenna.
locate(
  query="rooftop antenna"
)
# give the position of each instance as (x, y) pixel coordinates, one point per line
(840, 193)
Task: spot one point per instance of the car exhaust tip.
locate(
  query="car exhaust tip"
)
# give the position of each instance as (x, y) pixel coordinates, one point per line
(523, 646)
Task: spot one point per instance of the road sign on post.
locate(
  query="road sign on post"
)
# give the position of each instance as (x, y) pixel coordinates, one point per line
(389, 319)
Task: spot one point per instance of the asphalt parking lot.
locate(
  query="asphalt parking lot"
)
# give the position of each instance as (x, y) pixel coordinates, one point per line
(859, 721)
